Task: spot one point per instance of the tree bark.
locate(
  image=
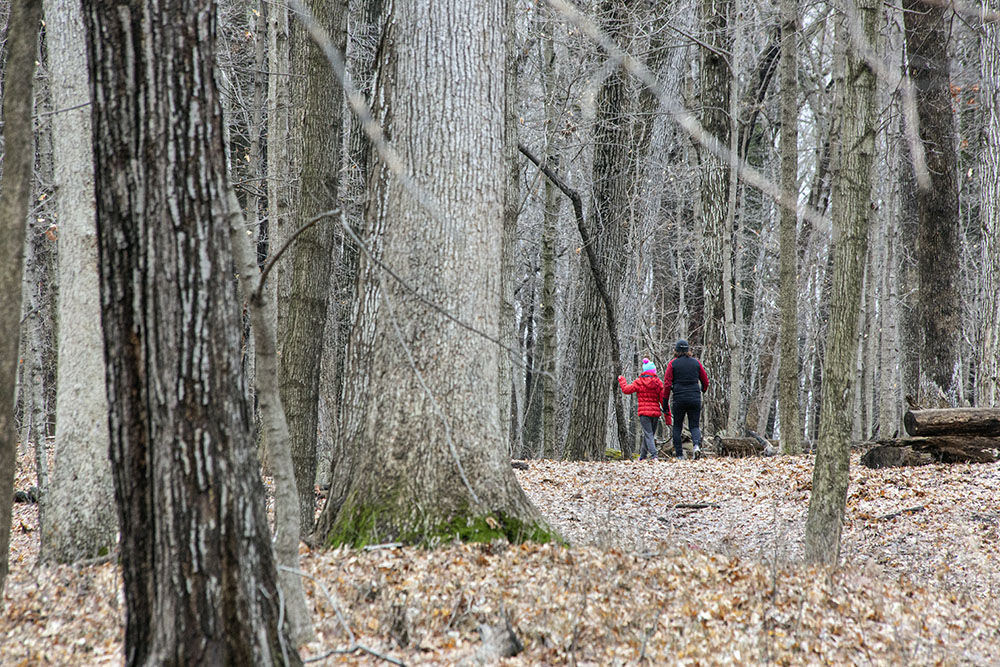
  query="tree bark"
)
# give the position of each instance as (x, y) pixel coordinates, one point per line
(938, 229)
(987, 354)
(613, 176)
(436, 464)
(198, 571)
(851, 211)
(80, 519)
(15, 191)
(317, 99)
(714, 192)
(953, 421)
(788, 370)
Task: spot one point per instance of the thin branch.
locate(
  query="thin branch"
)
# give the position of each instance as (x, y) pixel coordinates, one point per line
(288, 242)
(598, 273)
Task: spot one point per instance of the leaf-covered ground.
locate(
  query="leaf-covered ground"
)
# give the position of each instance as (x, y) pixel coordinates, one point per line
(689, 562)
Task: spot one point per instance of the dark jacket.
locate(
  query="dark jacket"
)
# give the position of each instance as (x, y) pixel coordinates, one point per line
(686, 378)
(649, 388)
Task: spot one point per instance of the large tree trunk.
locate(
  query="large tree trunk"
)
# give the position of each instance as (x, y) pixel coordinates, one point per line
(937, 243)
(788, 385)
(80, 519)
(199, 575)
(348, 448)
(714, 192)
(15, 191)
(851, 210)
(987, 356)
(318, 99)
(436, 464)
(613, 175)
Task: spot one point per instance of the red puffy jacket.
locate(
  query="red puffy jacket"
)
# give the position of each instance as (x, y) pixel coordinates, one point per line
(649, 388)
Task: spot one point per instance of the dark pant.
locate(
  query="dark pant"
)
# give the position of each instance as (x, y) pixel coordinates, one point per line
(648, 447)
(692, 409)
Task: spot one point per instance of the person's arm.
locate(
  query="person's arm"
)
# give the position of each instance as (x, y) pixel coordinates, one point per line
(626, 388)
(668, 383)
(703, 376)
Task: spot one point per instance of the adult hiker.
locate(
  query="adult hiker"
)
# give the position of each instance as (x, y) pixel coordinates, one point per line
(686, 379)
(649, 388)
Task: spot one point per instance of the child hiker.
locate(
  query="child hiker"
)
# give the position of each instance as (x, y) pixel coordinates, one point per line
(649, 388)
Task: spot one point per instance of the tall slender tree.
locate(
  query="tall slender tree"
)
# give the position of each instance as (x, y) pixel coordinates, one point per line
(614, 175)
(317, 99)
(198, 571)
(939, 304)
(715, 87)
(788, 385)
(851, 208)
(988, 338)
(15, 191)
(80, 518)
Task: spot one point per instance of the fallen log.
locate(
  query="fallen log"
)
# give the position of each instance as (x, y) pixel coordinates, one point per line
(953, 421)
(924, 450)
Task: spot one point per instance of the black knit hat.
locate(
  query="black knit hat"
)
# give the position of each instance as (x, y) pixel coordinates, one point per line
(681, 346)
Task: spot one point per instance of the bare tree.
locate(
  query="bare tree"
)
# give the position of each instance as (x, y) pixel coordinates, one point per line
(80, 520)
(851, 210)
(988, 338)
(937, 239)
(436, 462)
(198, 571)
(788, 385)
(15, 191)
(316, 96)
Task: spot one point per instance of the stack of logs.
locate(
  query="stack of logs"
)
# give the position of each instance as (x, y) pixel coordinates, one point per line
(947, 435)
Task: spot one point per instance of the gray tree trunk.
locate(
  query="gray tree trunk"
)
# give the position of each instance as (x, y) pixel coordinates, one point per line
(851, 210)
(988, 338)
(198, 571)
(510, 403)
(317, 99)
(80, 519)
(15, 192)
(613, 173)
(436, 464)
(714, 190)
(788, 371)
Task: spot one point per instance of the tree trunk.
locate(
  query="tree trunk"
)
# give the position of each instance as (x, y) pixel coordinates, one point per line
(15, 192)
(851, 210)
(198, 572)
(953, 421)
(317, 99)
(937, 243)
(788, 386)
(80, 520)
(436, 464)
(607, 227)
(510, 404)
(548, 328)
(348, 447)
(987, 357)
(714, 191)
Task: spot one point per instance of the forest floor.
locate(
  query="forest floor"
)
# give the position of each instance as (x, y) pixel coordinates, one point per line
(645, 580)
